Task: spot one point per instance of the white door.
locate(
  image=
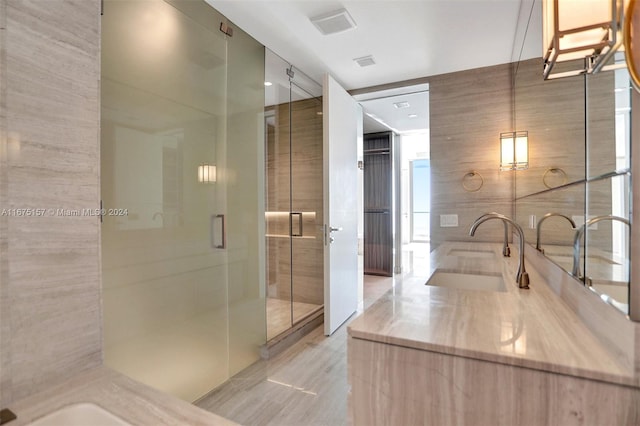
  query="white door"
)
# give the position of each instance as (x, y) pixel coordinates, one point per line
(342, 123)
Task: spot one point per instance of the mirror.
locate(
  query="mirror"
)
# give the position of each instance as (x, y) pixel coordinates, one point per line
(579, 162)
(632, 49)
(553, 112)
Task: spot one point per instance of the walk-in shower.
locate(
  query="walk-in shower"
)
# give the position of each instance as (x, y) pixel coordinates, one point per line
(182, 152)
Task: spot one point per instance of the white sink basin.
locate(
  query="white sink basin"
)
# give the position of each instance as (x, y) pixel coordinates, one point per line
(471, 253)
(82, 414)
(594, 260)
(464, 281)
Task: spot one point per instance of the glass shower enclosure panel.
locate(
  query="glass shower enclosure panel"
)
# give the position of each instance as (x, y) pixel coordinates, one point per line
(307, 242)
(278, 195)
(293, 135)
(182, 302)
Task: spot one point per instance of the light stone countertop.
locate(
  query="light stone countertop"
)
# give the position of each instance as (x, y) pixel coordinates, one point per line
(529, 328)
(132, 401)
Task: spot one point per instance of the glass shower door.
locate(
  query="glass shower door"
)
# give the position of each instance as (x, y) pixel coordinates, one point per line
(307, 240)
(294, 201)
(182, 302)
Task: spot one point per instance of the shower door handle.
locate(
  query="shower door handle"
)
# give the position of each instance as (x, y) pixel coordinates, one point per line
(299, 215)
(221, 241)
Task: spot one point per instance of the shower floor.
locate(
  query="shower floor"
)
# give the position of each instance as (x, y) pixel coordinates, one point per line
(279, 314)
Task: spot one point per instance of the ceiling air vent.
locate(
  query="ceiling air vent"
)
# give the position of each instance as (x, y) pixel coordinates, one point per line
(334, 22)
(365, 61)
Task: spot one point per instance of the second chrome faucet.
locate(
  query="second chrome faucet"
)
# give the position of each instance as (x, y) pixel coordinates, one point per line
(539, 225)
(522, 277)
(575, 271)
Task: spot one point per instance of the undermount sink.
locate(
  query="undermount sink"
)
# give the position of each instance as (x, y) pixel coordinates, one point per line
(594, 260)
(471, 253)
(467, 281)
(81, 414)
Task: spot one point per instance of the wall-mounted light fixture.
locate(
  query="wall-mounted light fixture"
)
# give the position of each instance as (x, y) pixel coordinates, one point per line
(578, 29)
(514, 150)
(206, 173)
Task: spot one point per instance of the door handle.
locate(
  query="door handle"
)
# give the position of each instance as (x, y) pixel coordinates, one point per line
(299, 215)
(328, 239)
(223, 233)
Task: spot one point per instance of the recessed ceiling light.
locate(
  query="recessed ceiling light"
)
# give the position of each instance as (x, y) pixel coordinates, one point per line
(365, 61)
(413, 115)
(400, 105)
(334, 22)
(268, 83)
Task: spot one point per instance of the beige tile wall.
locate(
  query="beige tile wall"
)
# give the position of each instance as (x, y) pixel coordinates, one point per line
(49, 153)
(468, 111)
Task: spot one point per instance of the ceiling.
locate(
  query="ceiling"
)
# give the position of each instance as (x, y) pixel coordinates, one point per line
(403, 110)
(407, 38)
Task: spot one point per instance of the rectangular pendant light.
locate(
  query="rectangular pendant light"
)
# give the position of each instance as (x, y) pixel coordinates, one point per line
(580, 29)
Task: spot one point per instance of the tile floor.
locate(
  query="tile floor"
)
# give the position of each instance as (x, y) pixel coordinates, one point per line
(304, 385)
(307, 383)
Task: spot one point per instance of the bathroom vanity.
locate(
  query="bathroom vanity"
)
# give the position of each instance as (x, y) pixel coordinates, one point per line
(492, 354)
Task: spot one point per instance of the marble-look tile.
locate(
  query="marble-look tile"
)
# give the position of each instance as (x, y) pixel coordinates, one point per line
(528, 328)
(469, 110)
(611, 327)
(306, 384)
(49, 272)
(294, 176)
(5, 325)
(132, 401)
(393, 385)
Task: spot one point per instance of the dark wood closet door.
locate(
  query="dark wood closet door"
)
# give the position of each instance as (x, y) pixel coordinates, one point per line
(378, 213)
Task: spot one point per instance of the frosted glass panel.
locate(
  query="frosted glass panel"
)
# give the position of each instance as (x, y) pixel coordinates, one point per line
(243, 180)
(182, 262)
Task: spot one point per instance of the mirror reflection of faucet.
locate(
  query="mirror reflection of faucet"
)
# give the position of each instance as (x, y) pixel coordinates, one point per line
(522, 277)
(542, 219)
(575, 271)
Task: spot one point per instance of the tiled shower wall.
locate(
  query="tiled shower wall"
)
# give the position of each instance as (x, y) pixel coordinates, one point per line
(50, 315)
(299, 177)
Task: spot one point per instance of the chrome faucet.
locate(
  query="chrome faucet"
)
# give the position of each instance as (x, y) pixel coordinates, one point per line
(542, 219)
(506, 251)
(575, 271)
(522, 277)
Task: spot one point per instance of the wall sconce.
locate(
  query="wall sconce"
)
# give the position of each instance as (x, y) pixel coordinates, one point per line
(206, 173)
(514, 150)
(574, 30)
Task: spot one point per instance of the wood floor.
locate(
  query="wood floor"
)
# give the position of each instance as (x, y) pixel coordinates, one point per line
(304, 385)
